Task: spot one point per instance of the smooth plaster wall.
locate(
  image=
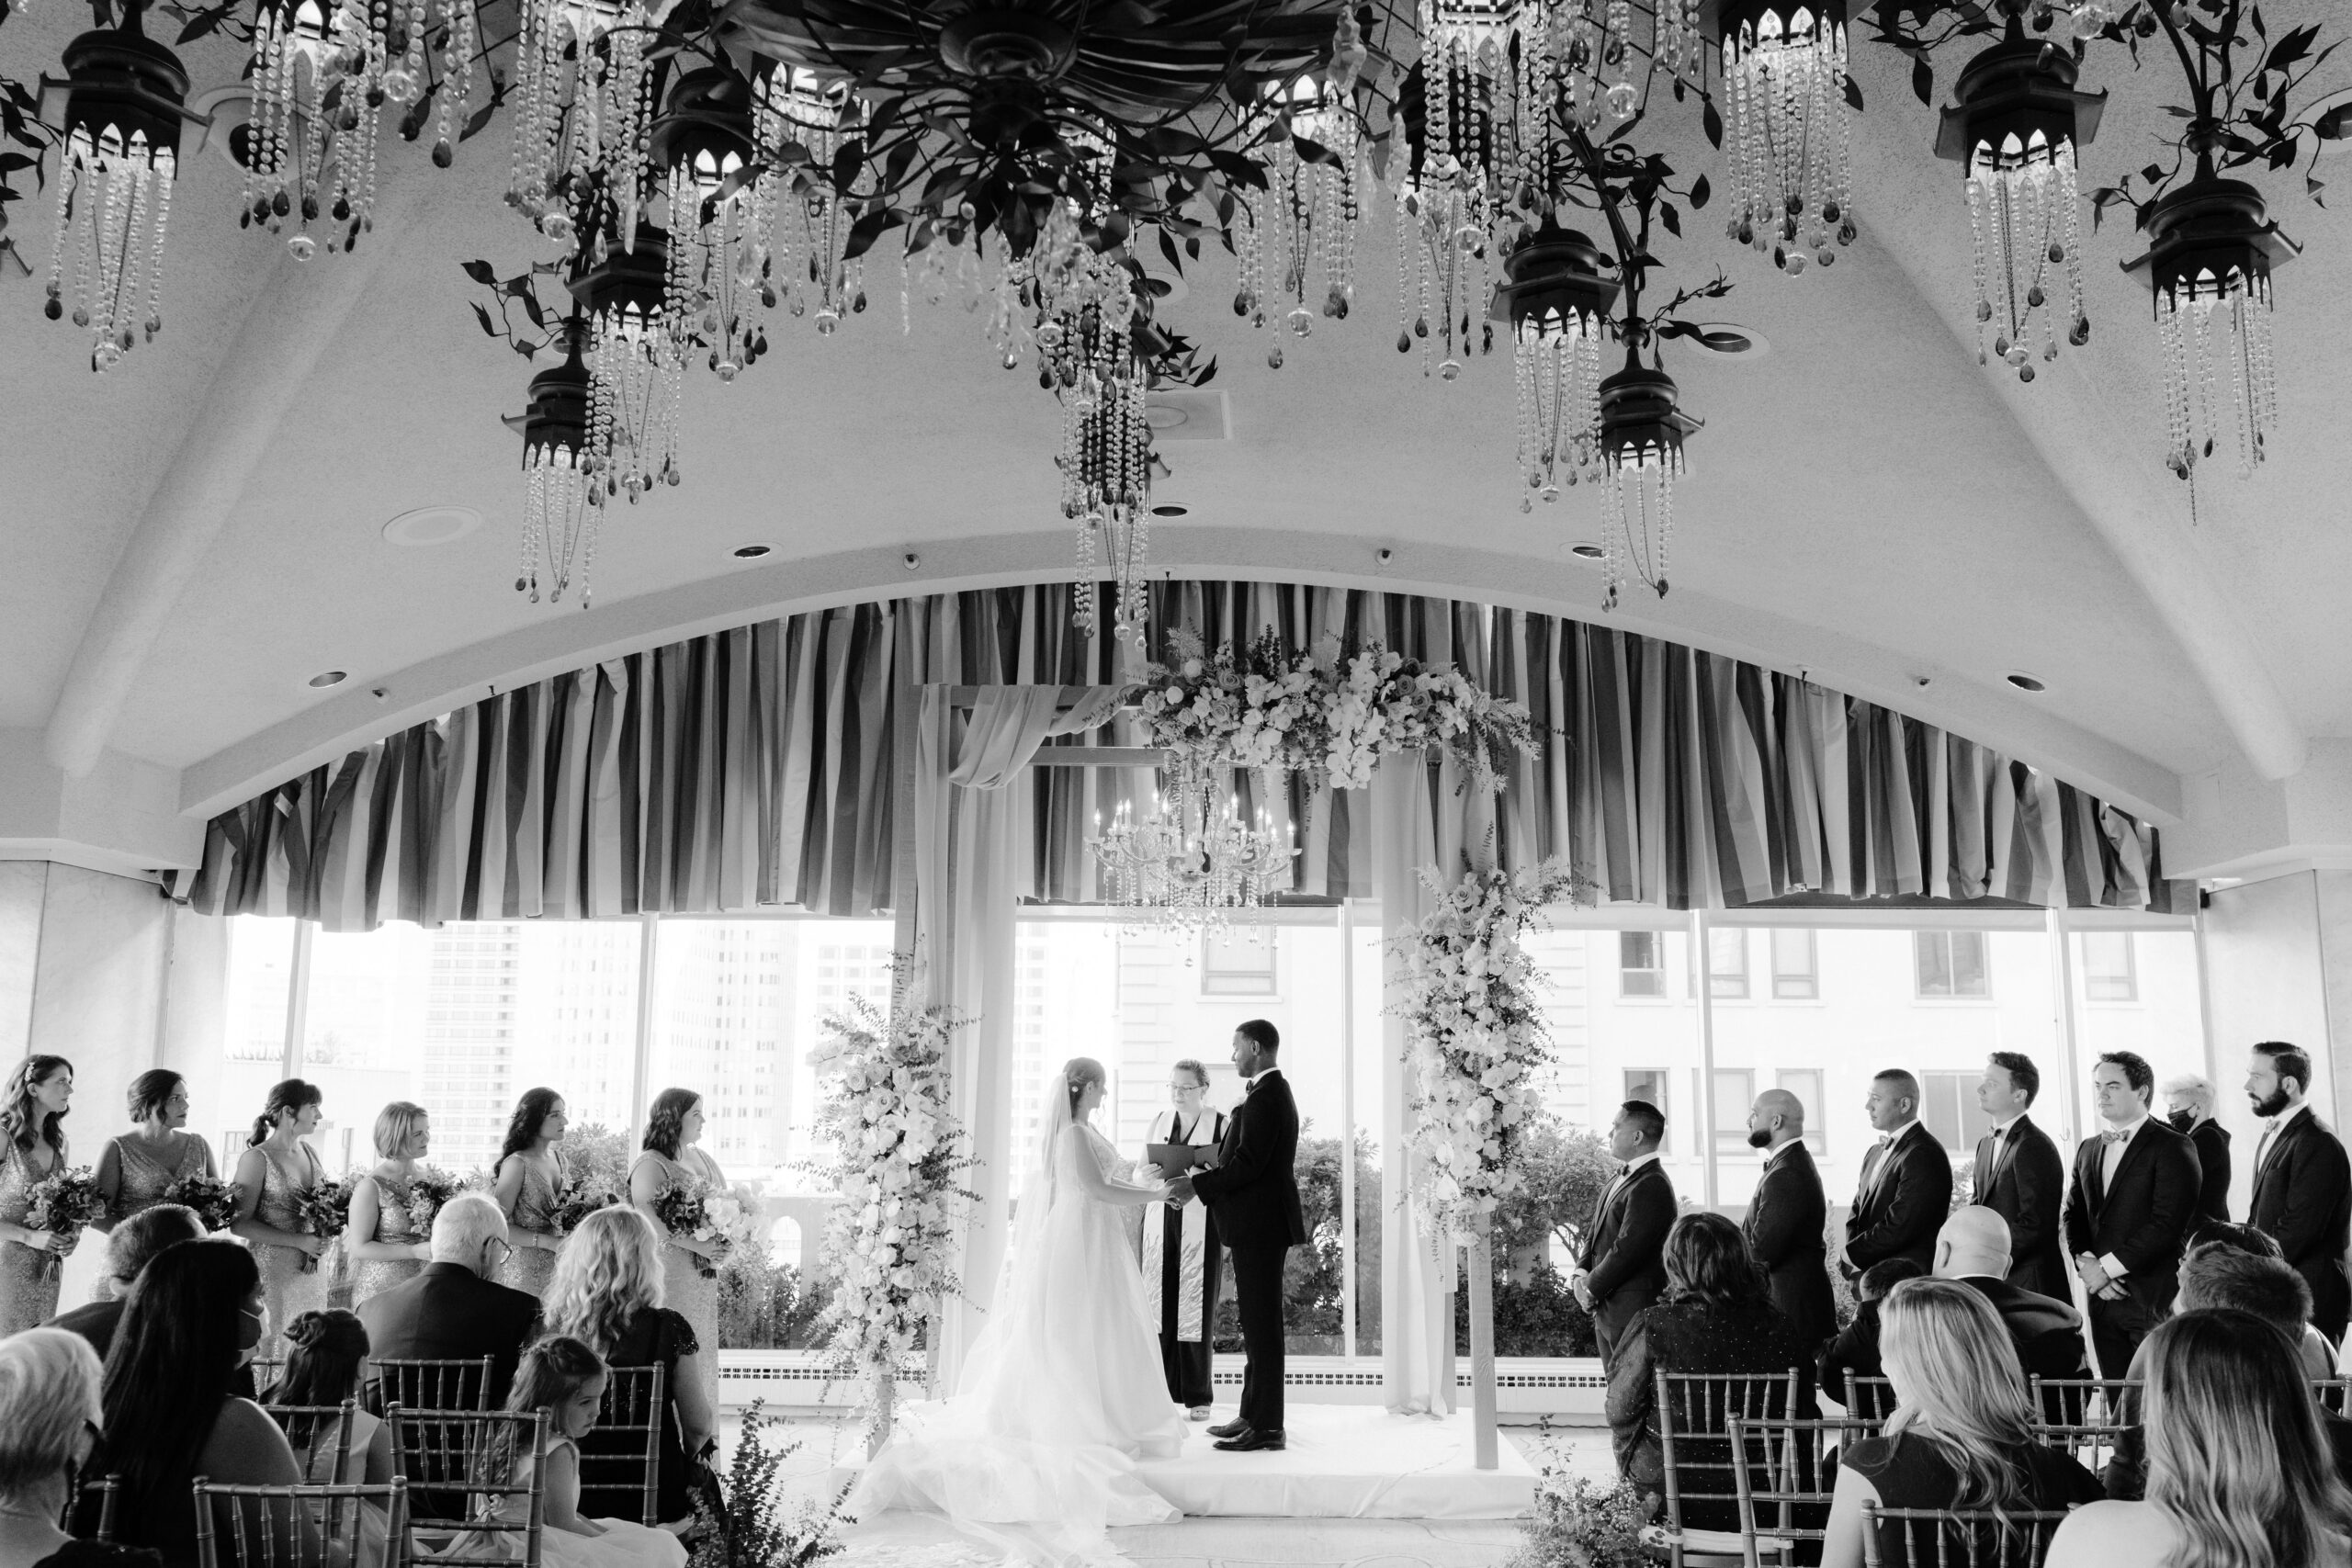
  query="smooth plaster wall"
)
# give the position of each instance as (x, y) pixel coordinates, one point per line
(2278, 966)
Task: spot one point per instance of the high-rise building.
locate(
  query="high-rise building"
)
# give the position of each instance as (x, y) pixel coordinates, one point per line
(723, 1008)
(473, 994)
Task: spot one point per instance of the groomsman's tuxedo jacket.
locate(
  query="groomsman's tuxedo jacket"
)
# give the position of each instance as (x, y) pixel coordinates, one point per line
(1623, 1256)
(2211, 1141)
(1901, 1202)
(2302, 1200)
(1786, 1228)
(1253, 1192)
(2143, 1219)
(2022, 1178)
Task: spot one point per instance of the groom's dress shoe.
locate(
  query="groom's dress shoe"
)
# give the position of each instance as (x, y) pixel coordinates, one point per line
(1232, 1429)
(1251, 1440)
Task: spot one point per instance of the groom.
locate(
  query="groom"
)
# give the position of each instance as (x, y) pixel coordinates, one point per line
(1247, 1182)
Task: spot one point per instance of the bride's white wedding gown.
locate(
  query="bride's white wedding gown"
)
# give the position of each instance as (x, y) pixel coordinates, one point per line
(1062, 1392)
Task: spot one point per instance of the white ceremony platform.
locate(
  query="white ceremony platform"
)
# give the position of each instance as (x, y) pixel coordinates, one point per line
(1342, 1462)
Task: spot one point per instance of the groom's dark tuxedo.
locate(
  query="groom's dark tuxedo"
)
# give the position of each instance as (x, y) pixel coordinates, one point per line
(1254, 1195)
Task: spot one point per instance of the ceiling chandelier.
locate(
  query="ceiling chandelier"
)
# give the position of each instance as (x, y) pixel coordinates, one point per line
(722, 212)
(1641, 429)
(2016, 127)
(1188, 863)
(564, 493)
(1307, 217)
(584, 102)
(1784, 122)
(1558, 300)
(814, 272)
(635, 355)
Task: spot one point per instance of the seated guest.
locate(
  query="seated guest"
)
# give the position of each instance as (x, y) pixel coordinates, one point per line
(1854, 1353)
(1716, 1316)
(1973, 1248)
(1962, 1432)
(2214, 1278)
(326, 1363)
(606, 1292)
(454, 1310)
(134, 1243)
(2318, 1356)
(49, 1406)
(169, 1416)
(2239, 1475)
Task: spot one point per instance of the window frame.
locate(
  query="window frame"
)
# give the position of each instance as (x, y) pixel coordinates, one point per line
(1213, 942)
(1720, 981)
(1657, 967)
(2091, 979)
(1731, 1131)
(1949, 937)
(1810, 974)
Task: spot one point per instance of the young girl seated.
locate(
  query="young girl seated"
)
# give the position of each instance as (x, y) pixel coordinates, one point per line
(326, 1363)
(566, 1379)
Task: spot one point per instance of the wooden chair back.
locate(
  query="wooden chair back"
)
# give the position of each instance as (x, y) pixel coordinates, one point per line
(2087, 1402)
(2333, 1395)
(2088, 1444)
(623, 1451)
(1785, 1498)
(432, 1385)
(291, 1527)
(1958, 1538)
(476, 1482)
(93, 1500)
(1702, 1458)
(1868, 1399)
(317, 1430)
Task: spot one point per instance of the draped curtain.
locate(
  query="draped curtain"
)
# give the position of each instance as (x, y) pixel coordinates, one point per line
(754, 769)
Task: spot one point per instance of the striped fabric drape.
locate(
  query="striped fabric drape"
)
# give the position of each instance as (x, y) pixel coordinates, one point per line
(754, 769)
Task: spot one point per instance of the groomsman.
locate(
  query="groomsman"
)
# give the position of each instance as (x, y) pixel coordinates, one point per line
(2021, 1177)
(2129, 1215)
(1622, 1267)
(2303, 1184)
(1788, 1216)
(2189, 1106)
(1905, 1190)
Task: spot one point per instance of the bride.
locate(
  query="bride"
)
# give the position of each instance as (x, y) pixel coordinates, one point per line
(1063, 1391)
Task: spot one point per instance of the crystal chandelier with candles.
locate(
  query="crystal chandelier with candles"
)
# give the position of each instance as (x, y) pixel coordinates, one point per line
(815, 275)
(722, 211)
(1558, 300)
(1188, 863)
(2016, 127)
(1307, 217)
(117, 159)
(2213, 249)
(583, 104)
(1785, 129)
(1642, 428)
(564, 499)
(635, 357)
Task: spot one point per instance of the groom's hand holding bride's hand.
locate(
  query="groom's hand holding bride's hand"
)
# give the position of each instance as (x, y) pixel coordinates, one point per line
(1180, 1190)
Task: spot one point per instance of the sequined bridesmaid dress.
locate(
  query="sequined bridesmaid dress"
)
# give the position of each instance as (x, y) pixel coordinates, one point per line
(147, 1172)
(684, 1290)
(288, 1289)
(371, 1276)
(28, 1275)
(529, 1267)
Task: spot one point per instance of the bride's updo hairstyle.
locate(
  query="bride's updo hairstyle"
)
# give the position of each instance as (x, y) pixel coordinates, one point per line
(1077, 1073)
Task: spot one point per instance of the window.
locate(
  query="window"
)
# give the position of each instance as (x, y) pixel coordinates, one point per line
(1240, 963)
(1641, 963)
(1805, 1084)
(1649, 1084)
(1951, 964)
(1951, 1110)
(2108, 972)
(1795, 976)
(1727, 962)
(1734, 1094)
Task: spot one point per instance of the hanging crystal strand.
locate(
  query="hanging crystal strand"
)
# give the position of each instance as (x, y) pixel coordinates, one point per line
(457, 81)
(2181, 451)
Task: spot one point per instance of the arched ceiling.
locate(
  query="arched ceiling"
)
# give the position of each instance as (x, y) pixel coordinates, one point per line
(191, 536)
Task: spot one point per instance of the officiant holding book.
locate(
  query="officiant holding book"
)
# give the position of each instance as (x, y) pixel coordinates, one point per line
(1181, 1253)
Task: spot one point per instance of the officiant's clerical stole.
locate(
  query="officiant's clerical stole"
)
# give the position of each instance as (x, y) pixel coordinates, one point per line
(1192, 1301)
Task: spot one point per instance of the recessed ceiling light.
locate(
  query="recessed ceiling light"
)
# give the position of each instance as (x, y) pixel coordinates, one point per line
(751, 552)
(326, 678)
(1587, 550)
(1166, 416)
(432, 526)
(2025, 683)
(1170, 509)
(1732, 340)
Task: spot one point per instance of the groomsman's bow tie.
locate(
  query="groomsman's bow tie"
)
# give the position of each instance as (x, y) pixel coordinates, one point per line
(2116, 1134)
(1624, 1170)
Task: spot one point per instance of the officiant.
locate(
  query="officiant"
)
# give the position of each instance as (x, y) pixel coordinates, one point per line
(1180, 1250)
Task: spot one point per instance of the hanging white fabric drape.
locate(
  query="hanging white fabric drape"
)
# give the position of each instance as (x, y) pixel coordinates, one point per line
(966, 857)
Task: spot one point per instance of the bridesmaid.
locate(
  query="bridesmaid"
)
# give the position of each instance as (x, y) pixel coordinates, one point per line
(273, 1173)
(1180, 1248)
(670, 1159)
(136, 1166)
(39, 1093)
(529, 1177)
(384, 1246)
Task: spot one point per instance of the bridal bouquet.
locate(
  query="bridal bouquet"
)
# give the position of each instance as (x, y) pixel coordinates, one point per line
(324, 1211)
(574, 1202)
(1477, 1039)
(214, 1200)
(692, 1210)
(897, 1166)
(63, 1203)
(429, 1186)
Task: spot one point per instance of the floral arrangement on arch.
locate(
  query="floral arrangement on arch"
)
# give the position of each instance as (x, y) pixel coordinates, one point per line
(1476, 1038)
(1268, 706)
(900, 1156)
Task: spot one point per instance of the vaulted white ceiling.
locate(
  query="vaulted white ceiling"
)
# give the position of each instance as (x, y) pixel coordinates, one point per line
(186, 539)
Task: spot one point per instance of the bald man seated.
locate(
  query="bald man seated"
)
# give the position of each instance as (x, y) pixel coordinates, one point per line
(1973, 1248)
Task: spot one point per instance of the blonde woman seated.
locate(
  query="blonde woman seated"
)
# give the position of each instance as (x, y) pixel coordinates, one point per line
(49, 1410)
(1962, 1435)
(2239, 1474)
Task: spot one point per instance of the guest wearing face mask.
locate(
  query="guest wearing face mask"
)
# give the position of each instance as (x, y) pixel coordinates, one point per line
(2189, 1107)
